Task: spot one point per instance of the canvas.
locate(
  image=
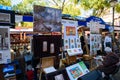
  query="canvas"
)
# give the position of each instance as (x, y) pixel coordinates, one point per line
(47, 19)
(74, 71)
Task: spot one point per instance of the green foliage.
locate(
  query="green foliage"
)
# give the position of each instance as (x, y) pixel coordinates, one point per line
(67, 6)
(72, 9)
(27, 6)
(5, 2)
(117, 8)
(98, 6)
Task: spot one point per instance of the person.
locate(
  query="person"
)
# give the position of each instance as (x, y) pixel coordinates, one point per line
(83, 44)
(30, 73)
(115, 47)
(108, 41)
(102, 39)
(109, 62)
(88, 41)
(118, 42)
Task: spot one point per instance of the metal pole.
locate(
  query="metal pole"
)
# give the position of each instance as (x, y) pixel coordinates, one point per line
(113, 8)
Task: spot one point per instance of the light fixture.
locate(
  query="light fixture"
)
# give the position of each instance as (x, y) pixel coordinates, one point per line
(113, 3)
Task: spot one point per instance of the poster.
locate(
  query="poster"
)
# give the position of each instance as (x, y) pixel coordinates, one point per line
(47, 19)
(70, 28)
(95, 43)
(72, 43)
(5, 56)
(94, 27)
(70, 31)
(74, 71)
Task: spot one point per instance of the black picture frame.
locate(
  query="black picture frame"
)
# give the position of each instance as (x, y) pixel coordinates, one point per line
(12, 18)
(50, 39)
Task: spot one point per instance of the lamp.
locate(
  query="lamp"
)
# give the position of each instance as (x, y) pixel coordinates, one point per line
(113, 3)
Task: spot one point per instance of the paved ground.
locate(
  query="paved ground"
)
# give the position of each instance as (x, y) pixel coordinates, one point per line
(117, 75)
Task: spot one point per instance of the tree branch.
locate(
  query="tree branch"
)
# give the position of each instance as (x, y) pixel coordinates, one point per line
(56, 3)
(63, 5)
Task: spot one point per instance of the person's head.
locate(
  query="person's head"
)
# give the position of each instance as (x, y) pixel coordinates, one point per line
(88, 35)
(108, 50)
(108, 34)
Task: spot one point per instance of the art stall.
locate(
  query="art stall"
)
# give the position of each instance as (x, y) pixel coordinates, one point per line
(96, 26)
(47, 45)
(7, 70)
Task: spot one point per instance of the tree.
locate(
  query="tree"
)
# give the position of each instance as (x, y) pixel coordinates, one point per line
(67, 6)
(99, 7)
(27, 6)
(5, 2)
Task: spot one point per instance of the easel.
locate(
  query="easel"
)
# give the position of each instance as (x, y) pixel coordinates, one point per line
(44, 63)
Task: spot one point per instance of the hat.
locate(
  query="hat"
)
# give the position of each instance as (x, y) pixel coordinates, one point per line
(108, 49)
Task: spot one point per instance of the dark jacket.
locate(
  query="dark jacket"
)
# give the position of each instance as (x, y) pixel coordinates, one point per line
(109, 63)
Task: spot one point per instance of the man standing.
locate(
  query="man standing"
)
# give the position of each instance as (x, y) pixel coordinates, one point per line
(108, 41)
(88, 41)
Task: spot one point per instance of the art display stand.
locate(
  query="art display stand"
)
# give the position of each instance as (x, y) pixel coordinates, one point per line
(95, 39)
(47, 46)
(5, 55)
(72, 44)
